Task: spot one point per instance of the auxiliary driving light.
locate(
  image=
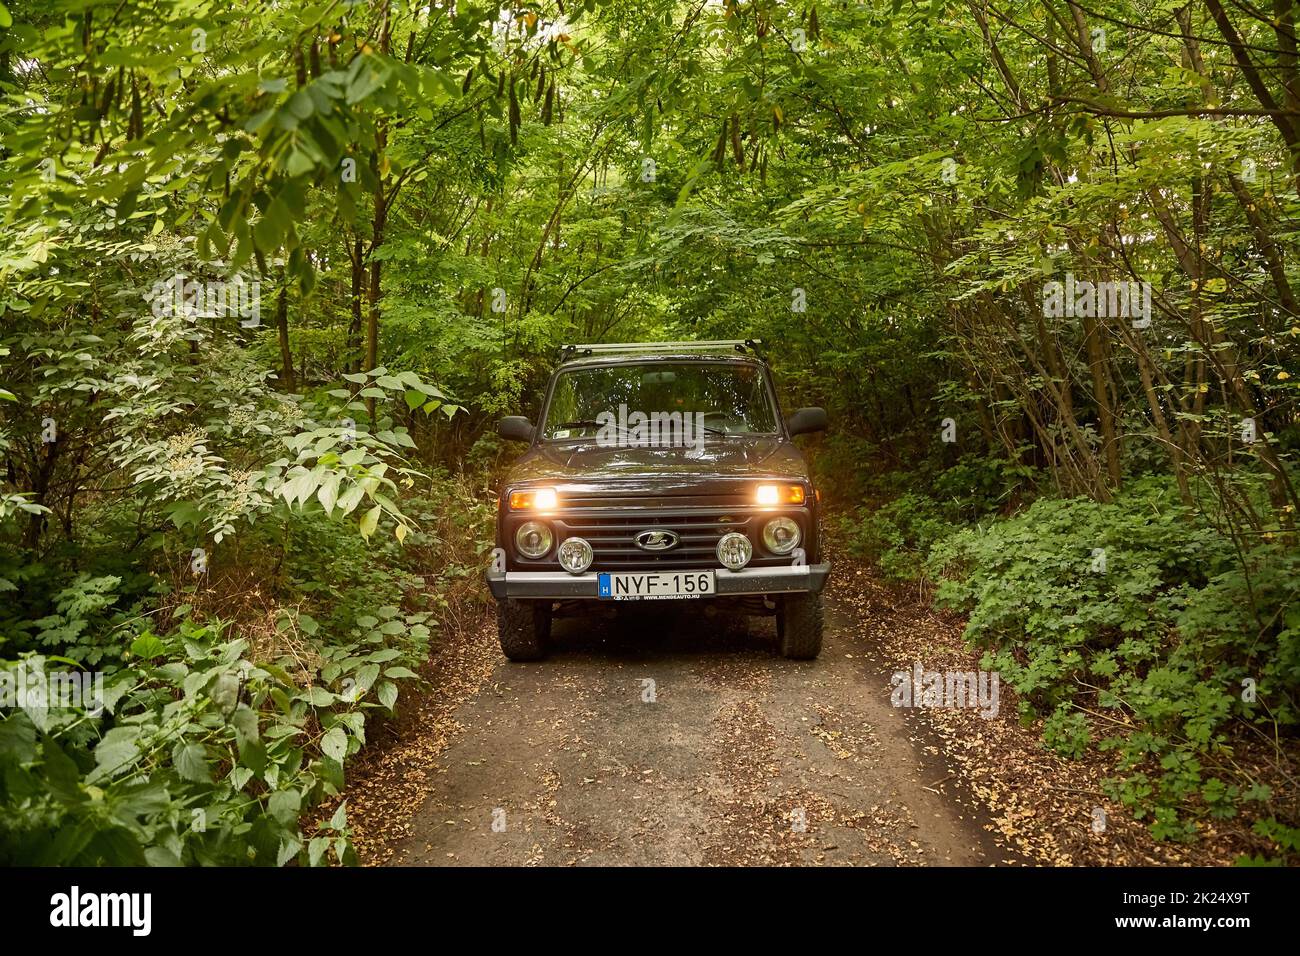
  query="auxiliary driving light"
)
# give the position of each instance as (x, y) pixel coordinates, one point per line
(780, 535)
(734, 550)
(533, 539)
(575, 555)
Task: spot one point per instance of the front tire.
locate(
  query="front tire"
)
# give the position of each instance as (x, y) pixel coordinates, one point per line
(799, 626)
(524, 628)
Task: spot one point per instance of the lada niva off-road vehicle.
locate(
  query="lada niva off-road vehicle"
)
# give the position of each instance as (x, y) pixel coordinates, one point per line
(659, 472)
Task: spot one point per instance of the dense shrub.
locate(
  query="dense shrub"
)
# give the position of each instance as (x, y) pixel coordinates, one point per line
(237, 574)
(1140, 618)
(899, 533)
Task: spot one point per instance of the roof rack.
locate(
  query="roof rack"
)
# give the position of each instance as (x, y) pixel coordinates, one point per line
(742, 346)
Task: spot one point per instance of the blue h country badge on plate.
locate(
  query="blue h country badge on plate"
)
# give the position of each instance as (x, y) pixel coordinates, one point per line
(602, 581)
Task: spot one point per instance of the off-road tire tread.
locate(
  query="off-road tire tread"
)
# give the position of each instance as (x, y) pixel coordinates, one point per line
(799, 626)
(524, 629)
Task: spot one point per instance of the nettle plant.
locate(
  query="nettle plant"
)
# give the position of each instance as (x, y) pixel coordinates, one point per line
(198, 754)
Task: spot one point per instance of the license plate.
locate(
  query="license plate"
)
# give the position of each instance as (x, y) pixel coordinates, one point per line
(655, 585)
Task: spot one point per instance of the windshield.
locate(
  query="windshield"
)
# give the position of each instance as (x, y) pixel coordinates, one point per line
(711, 398)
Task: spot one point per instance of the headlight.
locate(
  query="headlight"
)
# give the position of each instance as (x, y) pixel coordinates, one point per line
(539, 499)
(770, 495)
(575, 555)
(734, 550)
(533, 539)
(781, 535)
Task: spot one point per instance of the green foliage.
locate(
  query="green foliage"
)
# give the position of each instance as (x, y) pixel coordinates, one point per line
(1285, 838)
(1134, 627)
(77, 627)
(200, 753)
(899, 534)
(429, 193)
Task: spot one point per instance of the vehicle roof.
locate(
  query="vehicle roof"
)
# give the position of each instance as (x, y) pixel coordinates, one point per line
(642, 358)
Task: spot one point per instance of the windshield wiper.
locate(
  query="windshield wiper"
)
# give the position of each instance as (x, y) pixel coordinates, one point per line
(589, 423)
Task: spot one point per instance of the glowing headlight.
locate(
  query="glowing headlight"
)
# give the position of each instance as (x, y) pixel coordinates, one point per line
(780, 536)
(533, 539)
(539, 499)
(575, 555)
(734, 550)
(768, 495)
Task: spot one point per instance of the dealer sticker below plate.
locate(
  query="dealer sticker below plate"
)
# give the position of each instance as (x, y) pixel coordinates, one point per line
(655, 585)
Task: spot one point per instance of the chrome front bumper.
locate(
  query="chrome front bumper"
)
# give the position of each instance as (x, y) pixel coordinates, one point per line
(560, 585)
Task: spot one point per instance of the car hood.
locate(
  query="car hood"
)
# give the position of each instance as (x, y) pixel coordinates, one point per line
(587, 463)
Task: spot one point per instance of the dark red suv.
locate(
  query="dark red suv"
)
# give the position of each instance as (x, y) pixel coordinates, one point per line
(660, 472)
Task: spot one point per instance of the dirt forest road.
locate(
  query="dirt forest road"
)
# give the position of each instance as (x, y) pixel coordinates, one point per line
(667, 736)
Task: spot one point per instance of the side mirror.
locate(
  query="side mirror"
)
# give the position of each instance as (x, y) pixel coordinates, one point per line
(806, 420)
(515, 428)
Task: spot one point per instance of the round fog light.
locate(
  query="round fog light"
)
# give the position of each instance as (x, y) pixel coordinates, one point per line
(734, 550)
(575, 555)
(780, 535)
(533, 539)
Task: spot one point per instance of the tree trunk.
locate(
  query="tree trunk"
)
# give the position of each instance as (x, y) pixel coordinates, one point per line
(352, 360)
(282, 327)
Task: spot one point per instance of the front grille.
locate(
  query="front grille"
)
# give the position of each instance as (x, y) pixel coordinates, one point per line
(612, 535)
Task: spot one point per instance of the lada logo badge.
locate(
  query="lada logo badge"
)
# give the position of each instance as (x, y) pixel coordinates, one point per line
(656, 540)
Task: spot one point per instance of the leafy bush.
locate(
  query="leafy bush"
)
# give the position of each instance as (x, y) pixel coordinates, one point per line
(200, 752)
(244, 630)
(209, 746)
(899, 534)
(1135, 614)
